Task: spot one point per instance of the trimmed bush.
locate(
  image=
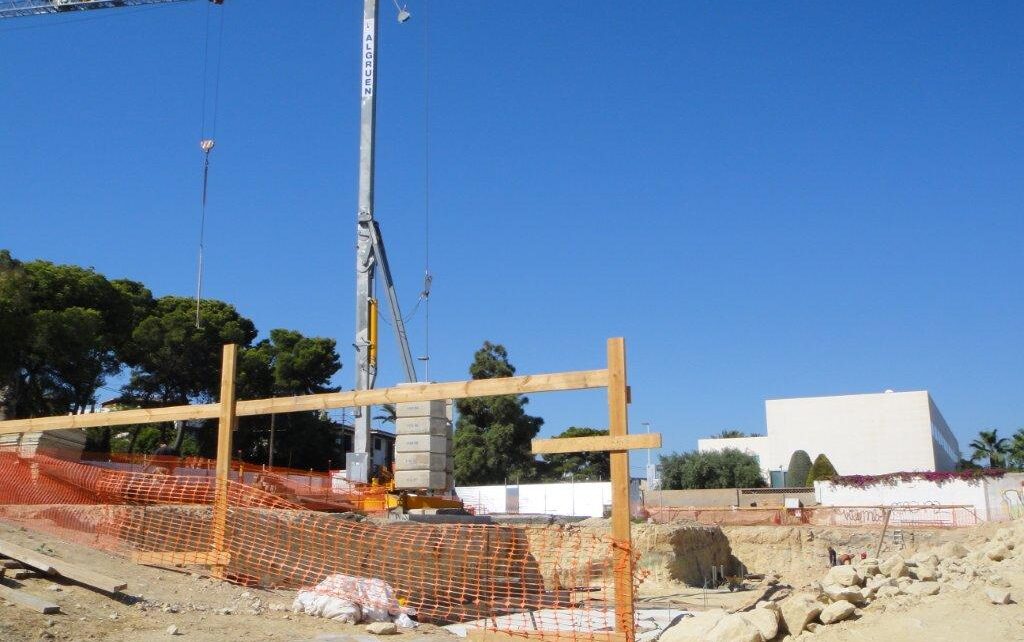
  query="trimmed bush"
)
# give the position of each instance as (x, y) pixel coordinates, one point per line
(799, 468)
(821, 470)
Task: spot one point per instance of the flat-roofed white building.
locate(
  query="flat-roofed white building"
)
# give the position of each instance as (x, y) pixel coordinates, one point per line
(867, 434)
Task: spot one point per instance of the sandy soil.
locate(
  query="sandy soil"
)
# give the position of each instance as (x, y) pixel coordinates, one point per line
(156, 599)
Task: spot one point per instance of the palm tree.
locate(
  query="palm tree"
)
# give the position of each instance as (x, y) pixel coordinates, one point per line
(990, 445)
(1017, 449)
(388, 416)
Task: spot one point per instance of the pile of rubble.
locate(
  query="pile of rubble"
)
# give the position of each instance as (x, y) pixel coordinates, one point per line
(845, 592)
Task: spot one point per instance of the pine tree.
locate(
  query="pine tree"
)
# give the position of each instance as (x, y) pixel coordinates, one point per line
(493, 434)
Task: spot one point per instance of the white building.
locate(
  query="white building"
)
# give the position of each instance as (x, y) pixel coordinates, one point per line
(868, 434)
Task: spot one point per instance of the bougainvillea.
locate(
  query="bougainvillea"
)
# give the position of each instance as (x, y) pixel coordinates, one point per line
(891, 479)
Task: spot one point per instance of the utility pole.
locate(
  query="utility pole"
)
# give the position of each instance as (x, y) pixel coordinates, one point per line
(366, 263)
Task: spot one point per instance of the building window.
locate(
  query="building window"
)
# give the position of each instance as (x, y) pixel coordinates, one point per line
(376, 443)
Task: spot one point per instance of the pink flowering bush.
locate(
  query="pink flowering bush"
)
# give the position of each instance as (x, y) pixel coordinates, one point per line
(891, 479)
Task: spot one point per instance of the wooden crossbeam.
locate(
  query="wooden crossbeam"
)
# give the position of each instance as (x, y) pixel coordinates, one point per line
(174, 558)
(28, 601)
(51, 566)
(600, 443)
(576, 380)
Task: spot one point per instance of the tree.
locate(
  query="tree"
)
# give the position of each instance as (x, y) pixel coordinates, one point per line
(63, 327)
(1017, 450)
(174, 362)
(730, 434)
(799, 468)
(288, 364)
(582, 466)
(821, 470)
(729, 468)
(989, 445)
(492, 435)
(388, 414)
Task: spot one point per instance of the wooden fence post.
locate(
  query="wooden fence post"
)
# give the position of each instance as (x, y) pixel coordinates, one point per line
(225, 427)
(618, 424)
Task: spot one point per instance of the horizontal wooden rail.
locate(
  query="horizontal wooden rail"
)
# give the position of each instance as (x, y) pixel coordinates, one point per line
(599, 443)
(578, 380)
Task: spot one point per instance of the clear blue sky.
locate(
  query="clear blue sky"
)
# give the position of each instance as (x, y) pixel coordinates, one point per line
(767, 200)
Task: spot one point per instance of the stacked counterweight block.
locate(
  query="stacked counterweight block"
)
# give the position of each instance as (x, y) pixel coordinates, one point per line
(423, 446)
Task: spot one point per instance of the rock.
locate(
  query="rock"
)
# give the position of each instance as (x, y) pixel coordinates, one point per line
(925, 573)
(997, 595)
(887, 591)
(382, 628)
(998, 581)
(813, 627)
(734, 628)
(960, 585)
(894, 567)
(797, 611)
(843, 593)
(113, 616)
(836, 612)
(952, 550)
(278, 606)
(843, 576)
(879, 581)
(922, 588)
(1005, 535)
(997, 552)
(765, 620)
(246, 595)
(53, 587)
(692, 629)
(867, 594)
(223, 611)
(172, 630)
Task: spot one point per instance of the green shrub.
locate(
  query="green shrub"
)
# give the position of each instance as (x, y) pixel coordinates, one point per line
(799, 467)
(821, 470)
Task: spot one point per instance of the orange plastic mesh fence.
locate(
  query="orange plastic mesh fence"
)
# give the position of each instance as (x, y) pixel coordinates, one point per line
(316, 490)
(535, 581)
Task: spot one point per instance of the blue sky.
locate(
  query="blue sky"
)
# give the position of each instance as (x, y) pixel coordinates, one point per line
(766, 200)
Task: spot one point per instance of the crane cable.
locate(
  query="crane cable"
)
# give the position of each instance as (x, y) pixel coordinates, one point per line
(207, 141)
(428, 278)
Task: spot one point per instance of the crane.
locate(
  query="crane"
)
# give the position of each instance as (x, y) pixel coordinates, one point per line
(370, 252)
(16, 8)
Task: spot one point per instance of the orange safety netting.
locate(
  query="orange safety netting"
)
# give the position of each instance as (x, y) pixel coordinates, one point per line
(522, 580)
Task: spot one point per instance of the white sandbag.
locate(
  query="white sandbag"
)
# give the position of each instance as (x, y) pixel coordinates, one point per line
(343, 597)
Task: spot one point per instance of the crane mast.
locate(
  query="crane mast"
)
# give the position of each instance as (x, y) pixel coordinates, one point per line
(370, 253)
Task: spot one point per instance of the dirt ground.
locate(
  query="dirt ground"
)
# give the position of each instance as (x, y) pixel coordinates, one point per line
(203, 609)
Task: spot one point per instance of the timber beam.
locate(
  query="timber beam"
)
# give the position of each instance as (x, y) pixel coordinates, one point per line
(600, 443)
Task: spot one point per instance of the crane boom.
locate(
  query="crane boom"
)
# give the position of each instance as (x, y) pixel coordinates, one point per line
(18, 8)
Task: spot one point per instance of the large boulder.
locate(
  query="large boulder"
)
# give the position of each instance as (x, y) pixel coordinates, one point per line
(692, 629)
(843, 576)
(734, 628)
(925, 573)
(894, 567)
(765, 619)
(952, 550)
(797, 611)
(997, 552)
(836, 612)
(887, 591)
(922, 588)
(835, 593)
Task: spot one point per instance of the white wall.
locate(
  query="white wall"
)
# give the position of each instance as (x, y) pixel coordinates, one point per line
(985, 496)
(867, 434)
(581, 499)
(757, 446)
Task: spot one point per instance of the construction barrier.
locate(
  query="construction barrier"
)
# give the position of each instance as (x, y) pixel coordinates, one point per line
(548, 581)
